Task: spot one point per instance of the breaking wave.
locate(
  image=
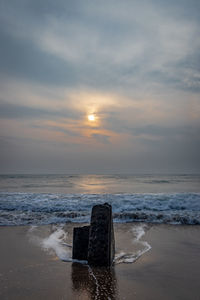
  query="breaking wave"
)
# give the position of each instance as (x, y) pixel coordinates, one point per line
(41, 209)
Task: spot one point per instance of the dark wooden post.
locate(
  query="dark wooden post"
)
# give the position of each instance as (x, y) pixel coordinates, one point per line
(101, 247)
(80, 242)
(96, 243)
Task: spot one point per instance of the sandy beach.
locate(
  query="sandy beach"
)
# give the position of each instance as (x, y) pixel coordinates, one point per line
(31, 269)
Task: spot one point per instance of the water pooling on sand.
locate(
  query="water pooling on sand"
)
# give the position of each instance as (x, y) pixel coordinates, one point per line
(58, 243)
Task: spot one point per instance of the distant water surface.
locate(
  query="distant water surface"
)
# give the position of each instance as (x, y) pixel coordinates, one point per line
(98, 184)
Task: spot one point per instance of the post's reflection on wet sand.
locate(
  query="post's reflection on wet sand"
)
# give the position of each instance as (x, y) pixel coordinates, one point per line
(94, 283)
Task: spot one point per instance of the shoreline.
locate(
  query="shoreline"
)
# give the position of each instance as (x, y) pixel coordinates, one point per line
(169, 270)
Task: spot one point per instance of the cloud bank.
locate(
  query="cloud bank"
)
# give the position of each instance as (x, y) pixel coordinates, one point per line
(134, 64)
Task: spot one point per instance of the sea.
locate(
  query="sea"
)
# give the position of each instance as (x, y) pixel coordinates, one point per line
(58, 199)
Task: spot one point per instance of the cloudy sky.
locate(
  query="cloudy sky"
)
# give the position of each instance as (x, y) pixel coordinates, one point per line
(134, 65)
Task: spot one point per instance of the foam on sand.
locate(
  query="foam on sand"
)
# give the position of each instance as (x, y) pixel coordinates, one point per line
(138, 232)
(57, 243)
(54, 244)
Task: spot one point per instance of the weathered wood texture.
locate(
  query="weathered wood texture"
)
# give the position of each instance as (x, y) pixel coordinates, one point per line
(101, 248)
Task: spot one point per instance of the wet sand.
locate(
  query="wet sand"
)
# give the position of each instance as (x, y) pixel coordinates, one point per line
(170, 270)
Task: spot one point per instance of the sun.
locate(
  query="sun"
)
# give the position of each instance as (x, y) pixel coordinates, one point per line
(91, 118)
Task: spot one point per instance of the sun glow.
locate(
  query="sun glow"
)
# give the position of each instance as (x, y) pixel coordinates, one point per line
(91, 118)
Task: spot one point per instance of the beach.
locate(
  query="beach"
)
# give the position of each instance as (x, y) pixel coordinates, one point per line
(157, 237)
(32, 266)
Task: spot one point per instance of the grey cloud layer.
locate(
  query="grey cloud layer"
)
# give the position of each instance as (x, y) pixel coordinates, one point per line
(146, 51)
(117, 43)
(15, 111)
(21, 58)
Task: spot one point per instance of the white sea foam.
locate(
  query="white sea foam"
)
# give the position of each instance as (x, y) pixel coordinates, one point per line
(39, 209)
(138, 232)
(55, 243)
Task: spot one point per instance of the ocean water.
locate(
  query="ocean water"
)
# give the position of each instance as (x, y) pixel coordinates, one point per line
(53, 199)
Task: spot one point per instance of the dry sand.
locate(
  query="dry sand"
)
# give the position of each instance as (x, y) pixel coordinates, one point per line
(170, 270)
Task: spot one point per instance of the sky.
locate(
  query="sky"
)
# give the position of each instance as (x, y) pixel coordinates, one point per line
(134, 65)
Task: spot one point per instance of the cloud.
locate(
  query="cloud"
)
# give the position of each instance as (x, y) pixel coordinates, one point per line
(134, 64)
(101, 138)
(16, 111)
(96, 45)
(21, 58)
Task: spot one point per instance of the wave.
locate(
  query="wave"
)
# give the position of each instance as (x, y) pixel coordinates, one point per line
(40, 209)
